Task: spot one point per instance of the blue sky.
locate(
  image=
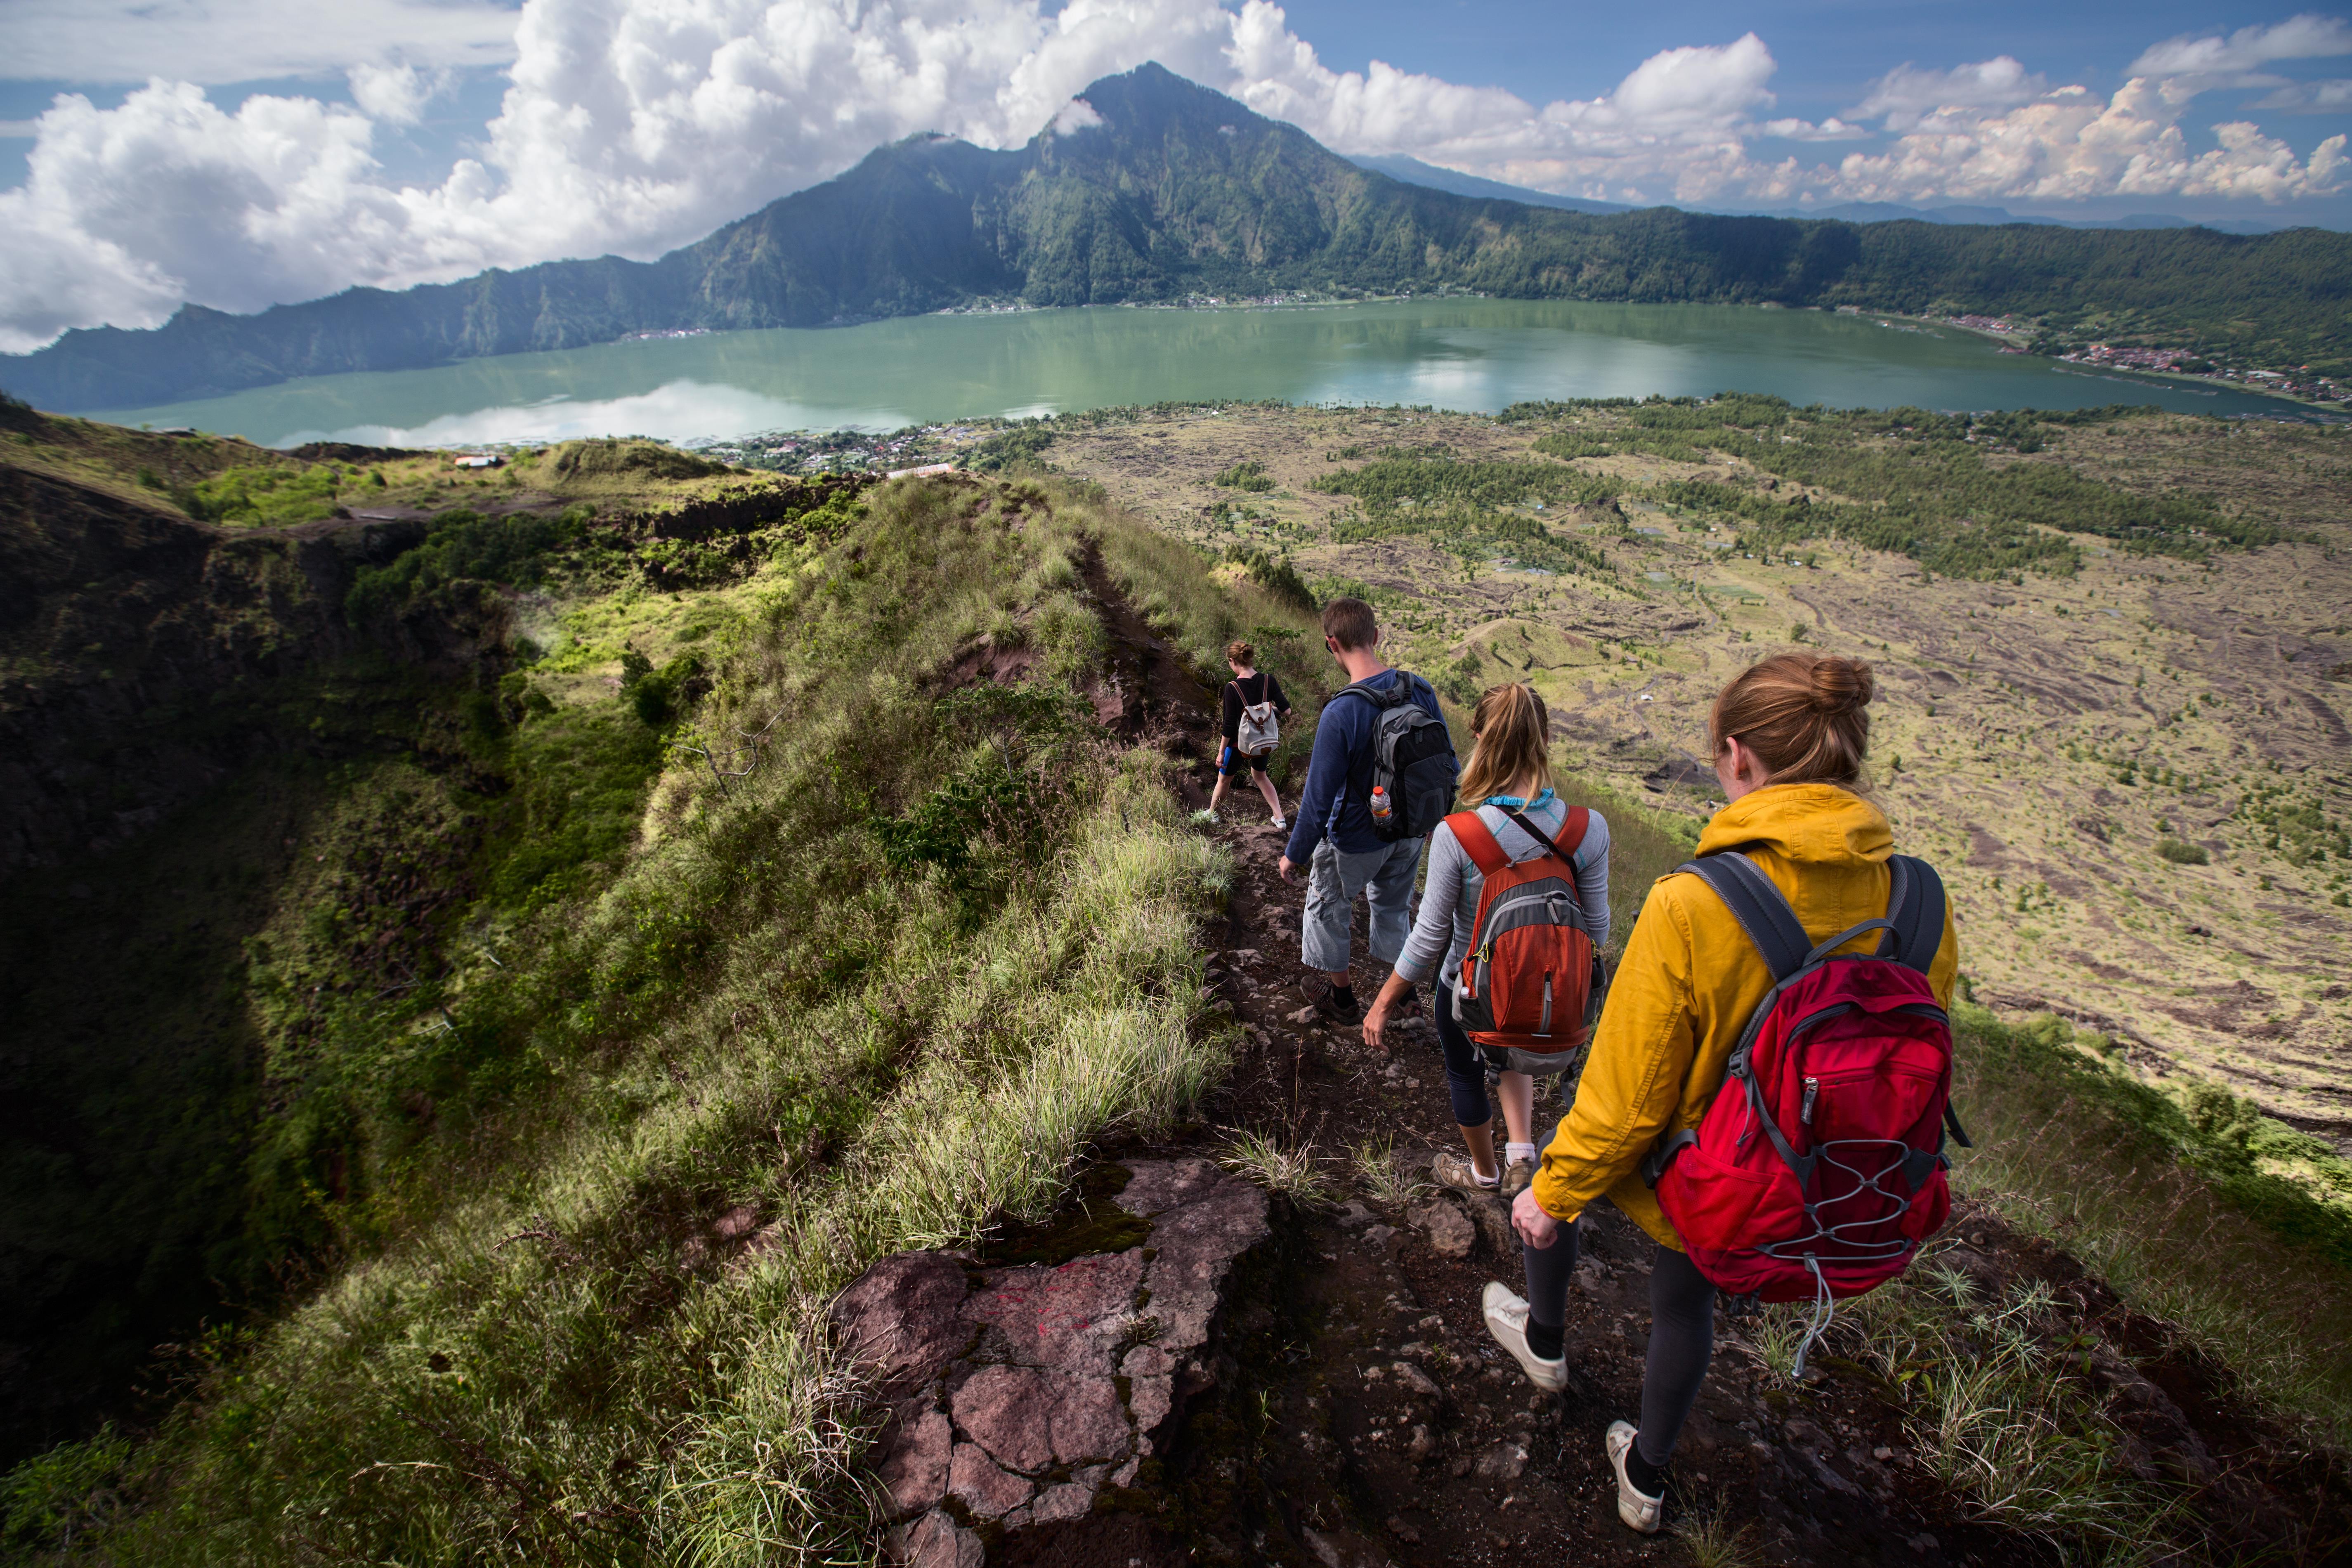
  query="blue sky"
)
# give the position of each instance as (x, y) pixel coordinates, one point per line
(241, 151)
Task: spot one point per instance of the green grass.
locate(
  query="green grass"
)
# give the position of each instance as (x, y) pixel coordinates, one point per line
(546, 1346)
(2182, 1210)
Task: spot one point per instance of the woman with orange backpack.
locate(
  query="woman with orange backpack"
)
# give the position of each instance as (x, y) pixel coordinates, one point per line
(1800, 960)
(1553, 861)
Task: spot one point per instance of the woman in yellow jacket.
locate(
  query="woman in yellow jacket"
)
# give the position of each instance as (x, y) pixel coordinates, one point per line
(1789, 734)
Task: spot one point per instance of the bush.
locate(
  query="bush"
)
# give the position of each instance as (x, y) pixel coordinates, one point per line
(2182, 854)
(1276, 575)
(1250, 476)
(462, 546)
(1021, 445)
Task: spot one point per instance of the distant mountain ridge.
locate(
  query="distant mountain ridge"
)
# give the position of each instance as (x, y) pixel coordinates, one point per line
(1413, 172)
(1179, 190)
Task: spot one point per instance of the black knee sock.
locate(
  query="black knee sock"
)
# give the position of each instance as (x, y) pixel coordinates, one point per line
(1546, 1341)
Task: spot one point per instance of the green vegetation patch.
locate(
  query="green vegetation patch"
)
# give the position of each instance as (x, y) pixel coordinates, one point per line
(1909, 481)
(1474, 510)
(266, 496)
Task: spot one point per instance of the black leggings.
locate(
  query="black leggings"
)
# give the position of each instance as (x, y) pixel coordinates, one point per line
(1681, 1332)
(1465, 1068)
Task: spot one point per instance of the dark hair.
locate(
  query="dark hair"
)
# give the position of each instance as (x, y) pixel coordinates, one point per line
(1241, 653)
(1348, 623)
(1805, 715)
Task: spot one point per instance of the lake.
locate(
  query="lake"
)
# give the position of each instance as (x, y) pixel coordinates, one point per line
(1470, 355)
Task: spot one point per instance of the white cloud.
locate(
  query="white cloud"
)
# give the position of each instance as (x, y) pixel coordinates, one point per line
(397, 94)
(1906, 95)
(219, 41)
(2309, 98)
(1075, 116)
(632, 126)
(2305, 38)
(1830, 130)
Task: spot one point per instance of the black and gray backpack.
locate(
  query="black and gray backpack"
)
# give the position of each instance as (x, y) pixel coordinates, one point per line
(1413, 765)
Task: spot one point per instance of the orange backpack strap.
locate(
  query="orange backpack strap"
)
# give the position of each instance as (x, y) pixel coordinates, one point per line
(1471, 833)
(1571, 834)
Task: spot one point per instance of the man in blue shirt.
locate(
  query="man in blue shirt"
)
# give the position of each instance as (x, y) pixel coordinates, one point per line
(1332, 831)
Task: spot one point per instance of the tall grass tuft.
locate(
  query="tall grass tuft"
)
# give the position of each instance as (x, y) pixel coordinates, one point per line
(1289, 1170)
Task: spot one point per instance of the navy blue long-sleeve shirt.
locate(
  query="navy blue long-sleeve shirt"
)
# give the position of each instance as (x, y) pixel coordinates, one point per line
(1334, 804)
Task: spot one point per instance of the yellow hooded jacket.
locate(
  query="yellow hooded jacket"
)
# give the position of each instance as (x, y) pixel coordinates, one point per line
(1690, 977)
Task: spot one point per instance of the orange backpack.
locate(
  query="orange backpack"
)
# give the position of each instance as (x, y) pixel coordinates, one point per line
(1531, 973)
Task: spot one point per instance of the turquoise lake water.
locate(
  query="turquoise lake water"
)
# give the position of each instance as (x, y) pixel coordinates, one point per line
(1471, 355)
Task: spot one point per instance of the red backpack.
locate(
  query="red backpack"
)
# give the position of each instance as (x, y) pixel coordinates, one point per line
(1531, 973)
(1819, 1168)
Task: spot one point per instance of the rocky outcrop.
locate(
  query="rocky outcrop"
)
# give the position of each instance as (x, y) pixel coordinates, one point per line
(1018, 1395)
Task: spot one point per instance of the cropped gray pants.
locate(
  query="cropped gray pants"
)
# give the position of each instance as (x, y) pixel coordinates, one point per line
(1385, 878)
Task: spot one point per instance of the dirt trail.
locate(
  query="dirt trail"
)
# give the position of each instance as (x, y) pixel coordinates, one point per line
(1353, 1412)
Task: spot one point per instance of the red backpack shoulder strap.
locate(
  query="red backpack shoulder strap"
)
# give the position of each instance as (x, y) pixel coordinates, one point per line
(1572, 832)
(1477, 843)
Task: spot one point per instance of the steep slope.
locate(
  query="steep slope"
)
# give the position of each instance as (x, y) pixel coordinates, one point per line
(1178, 189)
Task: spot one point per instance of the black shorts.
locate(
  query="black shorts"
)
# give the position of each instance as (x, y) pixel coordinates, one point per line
(1231, 762)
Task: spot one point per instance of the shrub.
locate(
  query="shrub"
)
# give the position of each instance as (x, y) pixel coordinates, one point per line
(1250, 476)
(2182, 854)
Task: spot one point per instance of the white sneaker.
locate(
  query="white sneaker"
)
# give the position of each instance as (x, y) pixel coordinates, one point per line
(1637, 1508)
(1281, 823)
(1507, 1320)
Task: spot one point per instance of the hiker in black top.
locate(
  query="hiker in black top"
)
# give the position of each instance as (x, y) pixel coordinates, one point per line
(1249, 686)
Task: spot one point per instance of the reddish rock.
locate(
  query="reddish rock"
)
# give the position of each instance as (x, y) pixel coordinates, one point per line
(1068, 1317)
(1007, 1411)
(935, 1540)
(900, 1318)
(915, 1473)
(985, 1489)
(1088, 1422)
(1004, 1382)
(1150, 1394)
(1067, 1501)
(1163, 1184)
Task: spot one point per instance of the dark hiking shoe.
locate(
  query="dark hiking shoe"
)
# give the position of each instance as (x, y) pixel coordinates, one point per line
(1328, 1006)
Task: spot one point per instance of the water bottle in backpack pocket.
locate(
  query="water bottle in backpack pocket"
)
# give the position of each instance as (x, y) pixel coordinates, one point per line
(1819, 1168)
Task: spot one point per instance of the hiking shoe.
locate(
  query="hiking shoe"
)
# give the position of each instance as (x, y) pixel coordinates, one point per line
(1507, 1320)
(1637, 1508)
(1328, 1006)
(1281, 823)
(1408, 1005)
(1451, 1169)
(1518, 1178)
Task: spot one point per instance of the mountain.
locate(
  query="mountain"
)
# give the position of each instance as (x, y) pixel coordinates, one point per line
(1413, 172)
(1179, 190)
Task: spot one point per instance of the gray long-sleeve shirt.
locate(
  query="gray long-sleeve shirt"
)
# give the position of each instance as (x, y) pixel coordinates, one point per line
(1449, 901)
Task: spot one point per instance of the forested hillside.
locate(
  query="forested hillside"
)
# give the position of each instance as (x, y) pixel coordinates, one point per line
(1182, 191)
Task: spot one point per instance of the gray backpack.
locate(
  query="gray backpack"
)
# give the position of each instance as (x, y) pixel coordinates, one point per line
(1260, 730)
(1413, 765)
